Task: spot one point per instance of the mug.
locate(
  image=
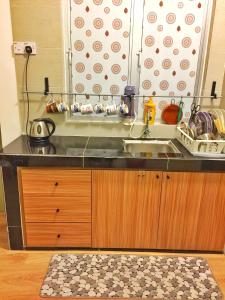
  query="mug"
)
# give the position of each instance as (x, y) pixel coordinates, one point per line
(62, 106)
(111, 109)
(75, 107)
(51, 106)
(86, 108)
(99, 108)
(123, 108)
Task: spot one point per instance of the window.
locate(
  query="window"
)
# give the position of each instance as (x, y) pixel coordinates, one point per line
(155, 45)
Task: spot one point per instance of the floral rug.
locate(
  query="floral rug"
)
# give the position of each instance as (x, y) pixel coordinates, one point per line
(129, 276)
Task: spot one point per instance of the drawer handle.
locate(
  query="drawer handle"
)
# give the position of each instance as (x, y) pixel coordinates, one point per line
(167, 176)
(56, 183)
(57, 210)
(58, 236)
(157, 176)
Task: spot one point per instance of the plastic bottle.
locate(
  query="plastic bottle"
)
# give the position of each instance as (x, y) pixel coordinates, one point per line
(149, 112)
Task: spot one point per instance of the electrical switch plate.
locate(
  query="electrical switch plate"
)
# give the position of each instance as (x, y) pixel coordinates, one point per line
(19, 47)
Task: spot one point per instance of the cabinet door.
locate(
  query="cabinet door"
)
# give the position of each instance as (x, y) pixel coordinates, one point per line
(211, 224)
(125, 208)
(192, 214)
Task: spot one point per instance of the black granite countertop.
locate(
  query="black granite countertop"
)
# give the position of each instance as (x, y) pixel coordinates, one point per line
(101, 152)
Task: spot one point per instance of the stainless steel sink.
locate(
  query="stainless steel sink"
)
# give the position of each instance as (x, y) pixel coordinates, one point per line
(151, 146)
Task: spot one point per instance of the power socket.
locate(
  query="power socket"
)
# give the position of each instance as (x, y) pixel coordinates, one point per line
(19, 47)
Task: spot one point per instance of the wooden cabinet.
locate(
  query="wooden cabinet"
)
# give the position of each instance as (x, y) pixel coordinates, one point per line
(125, 208)
(211, 226)
(57, 209)
(56, 182)
(58, 235)
(56, 205)
(122, 209)
(192, 213)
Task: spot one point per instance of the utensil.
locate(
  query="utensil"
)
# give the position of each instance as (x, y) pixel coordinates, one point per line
(170, 113)
(208, 123)
(75, 107)
(206, 136)
(51, 106)
(194, 110)
(62, 106)
(111, 109)
(40, 130)
(99, 108)
(218, 119)
(86, 108)
(180, 112)
(202, 123)
(219, 127)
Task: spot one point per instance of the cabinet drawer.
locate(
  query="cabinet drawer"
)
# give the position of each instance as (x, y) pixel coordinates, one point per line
(57, 209)
(58, 235)
(55, 182)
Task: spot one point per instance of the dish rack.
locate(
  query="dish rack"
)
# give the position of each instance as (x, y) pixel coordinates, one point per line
(207, 148)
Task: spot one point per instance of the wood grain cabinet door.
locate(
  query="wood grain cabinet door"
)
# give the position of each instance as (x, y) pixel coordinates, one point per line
(192, 213)
(125, 208)
(211, 224)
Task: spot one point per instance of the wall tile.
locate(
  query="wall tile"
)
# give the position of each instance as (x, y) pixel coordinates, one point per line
(38, 21)
(48, 63)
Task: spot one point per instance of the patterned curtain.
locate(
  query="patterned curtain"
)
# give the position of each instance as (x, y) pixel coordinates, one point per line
(170, 42)
(171, 48)
(100, 36)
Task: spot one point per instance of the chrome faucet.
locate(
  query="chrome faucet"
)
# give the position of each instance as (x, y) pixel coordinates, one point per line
(147, 132)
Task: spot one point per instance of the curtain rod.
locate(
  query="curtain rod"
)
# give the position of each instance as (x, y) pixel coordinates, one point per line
(110, 95)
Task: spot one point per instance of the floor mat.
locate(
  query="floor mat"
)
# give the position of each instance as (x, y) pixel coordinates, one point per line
(130, 276)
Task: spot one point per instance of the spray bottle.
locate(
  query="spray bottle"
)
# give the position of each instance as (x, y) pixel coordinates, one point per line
(149, 112)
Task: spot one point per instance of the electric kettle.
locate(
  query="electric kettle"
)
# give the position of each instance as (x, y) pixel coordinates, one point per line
(40, 130)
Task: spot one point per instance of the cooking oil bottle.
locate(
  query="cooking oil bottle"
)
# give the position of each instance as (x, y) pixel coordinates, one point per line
(149, 112)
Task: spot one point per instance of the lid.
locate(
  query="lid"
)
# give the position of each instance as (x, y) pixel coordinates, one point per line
(129, 90)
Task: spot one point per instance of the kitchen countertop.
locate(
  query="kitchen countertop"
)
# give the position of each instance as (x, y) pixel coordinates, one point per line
(102, 152)
(84, 152)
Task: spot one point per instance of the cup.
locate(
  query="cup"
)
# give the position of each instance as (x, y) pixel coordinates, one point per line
(99, 108)
(51, 106)
(75, 107)
(111, 109)
(86, 108)
(62, 106)
(123, 108)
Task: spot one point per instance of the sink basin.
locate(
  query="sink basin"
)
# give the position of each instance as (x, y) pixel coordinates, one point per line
(151, 146)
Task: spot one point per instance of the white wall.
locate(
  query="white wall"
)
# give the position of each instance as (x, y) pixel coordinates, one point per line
(216, 59)
(9, 112)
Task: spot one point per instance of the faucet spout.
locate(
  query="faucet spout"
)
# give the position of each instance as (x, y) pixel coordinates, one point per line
(147, 131)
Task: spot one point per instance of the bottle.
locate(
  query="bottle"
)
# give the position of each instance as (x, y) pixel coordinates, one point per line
(149, 112)
(128, 102)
